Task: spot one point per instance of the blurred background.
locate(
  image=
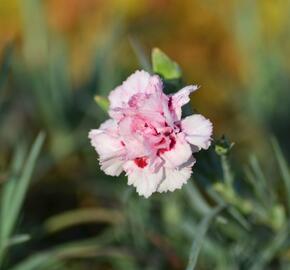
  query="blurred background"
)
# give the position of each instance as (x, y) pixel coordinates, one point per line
(56, 55)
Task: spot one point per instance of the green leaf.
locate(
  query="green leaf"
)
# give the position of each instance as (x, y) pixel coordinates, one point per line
(15, 199)
(88, 248)
(23, 182)
(81, 216)
(102, 102)
(261, 185)
(164, 66)
(18, 239)
(195, 199)
(269, 251)
(277, 217)
(284, 170)
(200, 236)
(34, 262)
(10, 184)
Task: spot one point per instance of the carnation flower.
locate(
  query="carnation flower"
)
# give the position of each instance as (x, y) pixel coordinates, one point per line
(146, 136)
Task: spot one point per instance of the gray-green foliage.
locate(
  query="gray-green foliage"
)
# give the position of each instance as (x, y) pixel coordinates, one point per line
(164, 232)
(13, 193)
(250, 233)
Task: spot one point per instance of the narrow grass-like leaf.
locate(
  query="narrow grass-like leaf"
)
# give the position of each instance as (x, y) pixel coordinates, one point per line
(76, 217)
(210, 247)
(239, 217)
(196, 200)
(258, 189)
(257, 169)
(261, 183)
(22, 185)
(77, 249)
(227, 173)
(231, 210)
(10, 183)
(200, 236)
(39, 260)
(18, 239)
(139, 52)
(16, 197)
(7, 192)
(284, 170)
(269, 251)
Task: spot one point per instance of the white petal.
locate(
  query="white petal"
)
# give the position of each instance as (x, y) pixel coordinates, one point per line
(176, 178)
(178, 155)
(181, 98)
(112, 167)
(136, 83)
(198, 131)
(109, 125)
(109, 147)
(106, 145)
(145, 181)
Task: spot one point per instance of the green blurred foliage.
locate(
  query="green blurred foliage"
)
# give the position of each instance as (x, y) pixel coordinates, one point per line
(164, 66)
(56, 56)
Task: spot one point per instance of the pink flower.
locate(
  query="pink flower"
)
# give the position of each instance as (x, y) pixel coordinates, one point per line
(146, 136)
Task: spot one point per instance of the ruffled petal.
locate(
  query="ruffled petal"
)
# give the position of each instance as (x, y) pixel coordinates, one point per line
(134, 84)
(113, 167)
(197, 130)
(181, 98)
(128, 97)
(176, 178)
(179, 154)
(145, 181)
(106, 140)
(107, 144)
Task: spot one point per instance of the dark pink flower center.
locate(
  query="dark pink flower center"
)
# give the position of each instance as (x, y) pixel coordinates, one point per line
(141, 162)
(171, 145)
(170, 103)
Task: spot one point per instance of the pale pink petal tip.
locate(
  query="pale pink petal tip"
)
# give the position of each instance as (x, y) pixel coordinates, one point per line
(197, 130)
